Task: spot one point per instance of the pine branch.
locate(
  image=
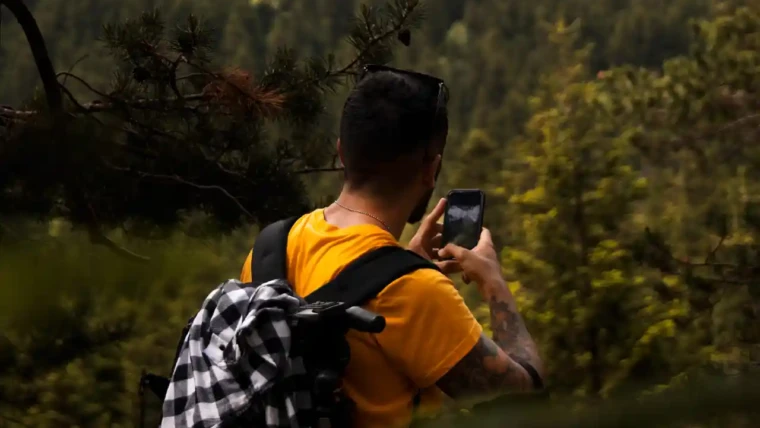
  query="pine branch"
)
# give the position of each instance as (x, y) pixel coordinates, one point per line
(333, 168)
(167, 104)
(97, 237)
(405, 11)
(53, 93)
(71, 69)
(266, 103)
(67, 74)
(315, 170)
(711, 256)
(741, 274)
(178, 179)
(263, 102)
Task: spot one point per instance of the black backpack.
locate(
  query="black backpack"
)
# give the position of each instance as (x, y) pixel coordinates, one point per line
(342, 298)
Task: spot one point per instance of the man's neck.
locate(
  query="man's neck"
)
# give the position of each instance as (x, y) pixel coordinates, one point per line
(362, 209)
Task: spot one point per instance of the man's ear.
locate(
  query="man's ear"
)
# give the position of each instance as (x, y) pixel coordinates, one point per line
(431, 173)
(340, 153)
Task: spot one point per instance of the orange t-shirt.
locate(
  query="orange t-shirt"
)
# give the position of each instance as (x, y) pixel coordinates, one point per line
(428, 326)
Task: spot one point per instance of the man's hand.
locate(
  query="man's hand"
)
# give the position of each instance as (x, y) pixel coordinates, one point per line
(481, 264)
(427, 240)
(508, 362)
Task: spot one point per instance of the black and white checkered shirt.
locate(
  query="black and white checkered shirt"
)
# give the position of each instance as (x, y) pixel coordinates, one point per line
(236, 366)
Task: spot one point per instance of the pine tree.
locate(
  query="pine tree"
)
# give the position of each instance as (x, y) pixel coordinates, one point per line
(596, 316)
(176, 132)
(175, 135)
(699, 124)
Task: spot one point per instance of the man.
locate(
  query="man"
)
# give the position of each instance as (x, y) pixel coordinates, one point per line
(393, 131)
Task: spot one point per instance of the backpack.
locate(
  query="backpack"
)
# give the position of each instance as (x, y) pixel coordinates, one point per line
(322, 321)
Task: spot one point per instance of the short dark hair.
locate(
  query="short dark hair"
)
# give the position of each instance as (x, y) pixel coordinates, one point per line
(388, 118)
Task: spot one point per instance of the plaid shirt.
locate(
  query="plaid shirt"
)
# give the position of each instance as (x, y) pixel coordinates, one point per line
(236, 366)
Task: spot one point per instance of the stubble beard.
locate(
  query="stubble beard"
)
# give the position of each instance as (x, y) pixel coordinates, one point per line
(419, 210)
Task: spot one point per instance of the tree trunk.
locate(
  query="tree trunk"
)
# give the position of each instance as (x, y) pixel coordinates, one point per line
(592, 334)
(39, 51)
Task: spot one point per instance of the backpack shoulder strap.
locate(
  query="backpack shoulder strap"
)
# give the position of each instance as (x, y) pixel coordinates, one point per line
(364, 278)
(368, 275)
(270, 251)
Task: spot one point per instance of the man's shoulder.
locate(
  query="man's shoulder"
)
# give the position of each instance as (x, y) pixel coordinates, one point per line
(423, 282)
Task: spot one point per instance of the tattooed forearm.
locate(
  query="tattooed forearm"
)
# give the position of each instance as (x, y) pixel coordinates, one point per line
(506, 363)
(485, 369)
(509, 331)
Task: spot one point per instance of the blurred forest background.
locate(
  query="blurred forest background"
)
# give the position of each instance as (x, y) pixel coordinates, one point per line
(616, 141)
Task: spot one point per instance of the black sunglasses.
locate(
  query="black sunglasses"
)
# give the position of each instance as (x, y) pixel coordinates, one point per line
(441, 88)
(442, 97)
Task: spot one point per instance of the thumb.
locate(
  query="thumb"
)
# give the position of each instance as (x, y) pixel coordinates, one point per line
(452, 250)
(434, 215)
(485, 238)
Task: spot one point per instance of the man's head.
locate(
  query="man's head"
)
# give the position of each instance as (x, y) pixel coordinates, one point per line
(392, 134)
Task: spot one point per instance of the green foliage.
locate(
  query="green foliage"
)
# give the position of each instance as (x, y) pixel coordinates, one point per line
(592, 147)
(698, 130)
(175, 127)
(704, 402)
(80, 324)
(614, 140)
(596, 316)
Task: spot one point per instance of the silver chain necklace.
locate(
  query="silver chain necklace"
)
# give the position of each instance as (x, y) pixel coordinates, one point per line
(363, 213)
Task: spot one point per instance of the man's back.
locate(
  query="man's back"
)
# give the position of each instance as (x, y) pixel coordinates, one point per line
(428, 327)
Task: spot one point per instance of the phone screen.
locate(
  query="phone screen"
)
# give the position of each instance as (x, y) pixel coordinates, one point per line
(463, 219)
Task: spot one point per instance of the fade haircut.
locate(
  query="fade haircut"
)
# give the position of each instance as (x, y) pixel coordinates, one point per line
(388, 127)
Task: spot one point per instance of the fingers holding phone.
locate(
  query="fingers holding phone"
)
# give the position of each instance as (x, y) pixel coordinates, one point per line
(467, 246)
(481, 264)
(429, 239)
(448, 267)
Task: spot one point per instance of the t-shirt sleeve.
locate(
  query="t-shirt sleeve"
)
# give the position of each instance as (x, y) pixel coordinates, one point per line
(245, 274)
(429, 329)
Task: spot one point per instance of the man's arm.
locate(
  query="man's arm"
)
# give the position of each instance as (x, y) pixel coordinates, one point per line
(494, 366)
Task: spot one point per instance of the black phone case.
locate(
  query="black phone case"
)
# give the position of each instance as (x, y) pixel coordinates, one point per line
(482, 204)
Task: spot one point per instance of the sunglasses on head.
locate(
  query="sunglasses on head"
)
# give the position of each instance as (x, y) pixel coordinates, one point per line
(442, 97)
(440, 87)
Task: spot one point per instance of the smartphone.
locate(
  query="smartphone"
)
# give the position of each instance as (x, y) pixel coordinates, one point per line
(463, 219)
